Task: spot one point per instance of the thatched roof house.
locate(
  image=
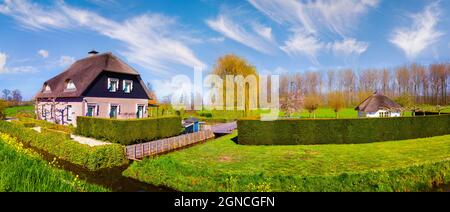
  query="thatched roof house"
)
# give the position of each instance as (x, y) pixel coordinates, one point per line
(378, 105)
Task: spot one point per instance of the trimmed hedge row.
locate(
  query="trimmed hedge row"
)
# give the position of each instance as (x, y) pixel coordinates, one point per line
(56, 133)
(128, 131)
(340, 131)
(93, 158)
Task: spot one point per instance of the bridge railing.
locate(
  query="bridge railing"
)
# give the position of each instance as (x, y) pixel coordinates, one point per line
(138, 151)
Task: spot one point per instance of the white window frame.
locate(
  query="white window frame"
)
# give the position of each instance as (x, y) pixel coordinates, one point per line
(116, 88)
(47, 88)
(143, 110)
(71, 84)
(131, 86)
(109, 109)
(69, 112)
(96, 109)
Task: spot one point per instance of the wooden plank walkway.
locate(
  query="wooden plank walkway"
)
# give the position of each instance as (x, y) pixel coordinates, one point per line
(225, 128)
(139, 151)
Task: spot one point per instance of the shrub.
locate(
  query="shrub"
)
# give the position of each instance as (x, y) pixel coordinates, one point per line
(340, 131)
(129, 131)
(93, 158)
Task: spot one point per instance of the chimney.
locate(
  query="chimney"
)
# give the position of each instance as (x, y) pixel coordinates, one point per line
(92, 53)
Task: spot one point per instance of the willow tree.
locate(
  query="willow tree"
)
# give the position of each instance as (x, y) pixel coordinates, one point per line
(233, 65)
(336, 102)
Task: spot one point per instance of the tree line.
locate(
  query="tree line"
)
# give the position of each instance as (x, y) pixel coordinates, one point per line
(413, 84)
(12, 96)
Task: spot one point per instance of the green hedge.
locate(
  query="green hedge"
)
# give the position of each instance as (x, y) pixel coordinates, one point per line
(340, 131)
(128, 131)
(56, 133)
(93, 158)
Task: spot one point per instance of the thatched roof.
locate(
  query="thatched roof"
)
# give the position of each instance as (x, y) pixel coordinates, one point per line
(83, 72)
(376, 102)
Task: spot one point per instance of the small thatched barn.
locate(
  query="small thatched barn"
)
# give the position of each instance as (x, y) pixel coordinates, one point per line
(378, 105)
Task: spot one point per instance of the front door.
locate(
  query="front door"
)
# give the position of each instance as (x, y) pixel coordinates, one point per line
(140, 112)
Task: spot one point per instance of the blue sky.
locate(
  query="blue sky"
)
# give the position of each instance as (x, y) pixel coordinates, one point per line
(161, 38)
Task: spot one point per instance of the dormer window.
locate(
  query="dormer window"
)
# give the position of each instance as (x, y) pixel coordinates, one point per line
(70, 86)
(47, 88)
(127, 86)
(113, 84)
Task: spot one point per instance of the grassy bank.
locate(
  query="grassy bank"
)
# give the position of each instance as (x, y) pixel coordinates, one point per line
(92, 158)
(221, 165)
(24, 171)
(13, 111)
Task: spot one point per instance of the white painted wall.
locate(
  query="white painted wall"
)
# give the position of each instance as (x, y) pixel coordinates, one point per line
(377, 114)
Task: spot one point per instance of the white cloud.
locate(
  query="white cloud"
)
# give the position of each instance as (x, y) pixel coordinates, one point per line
(349, 47)
(43, 53)
(259, 39)
(2, 62)
(337, 16)
(423, 33)
(150, 40)
(302, 44)
(33, 16)
(66, 61)
(13, 70)
(217, 39)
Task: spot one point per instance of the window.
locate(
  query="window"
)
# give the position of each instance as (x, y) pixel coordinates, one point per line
(127, 86)
(47, 88)
(140, 111)
(113, 111)
(113, 85)
(91, 110)
(69, 113)
(385, 114)
(70, 85)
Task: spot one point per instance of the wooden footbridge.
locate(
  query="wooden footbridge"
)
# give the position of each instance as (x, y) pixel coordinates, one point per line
(152, 148)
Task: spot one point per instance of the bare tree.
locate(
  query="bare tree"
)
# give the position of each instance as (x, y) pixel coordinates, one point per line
(6, 94)
(16, 96)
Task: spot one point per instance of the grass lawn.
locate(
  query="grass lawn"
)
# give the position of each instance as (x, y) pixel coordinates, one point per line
(23, 170)
(222, 165)
(13, 111)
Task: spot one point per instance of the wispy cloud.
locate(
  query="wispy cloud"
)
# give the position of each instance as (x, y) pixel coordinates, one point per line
(2, 62)
(43, 53)
(66, 61)
(302, 44)
(336, 16)
(33, 16)
(13, 70)
(150, 40)
(315, 24)
(349, 46)
(253, 35)
(423, 32)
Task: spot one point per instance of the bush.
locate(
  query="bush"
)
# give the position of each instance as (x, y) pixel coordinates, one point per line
(93, 158)
(129, 131)
(340, 131)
